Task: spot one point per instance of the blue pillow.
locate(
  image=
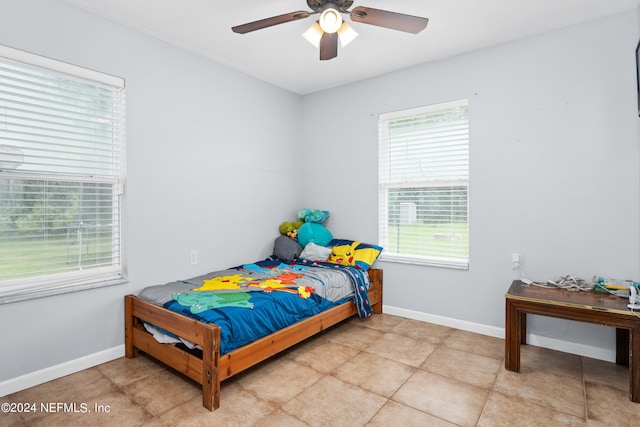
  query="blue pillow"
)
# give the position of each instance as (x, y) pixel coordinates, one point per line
(313, 232)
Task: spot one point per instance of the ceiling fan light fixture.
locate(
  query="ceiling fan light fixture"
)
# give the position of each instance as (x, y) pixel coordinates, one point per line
(346, 34)
(330, 20)
(313, 34)
(331, 26)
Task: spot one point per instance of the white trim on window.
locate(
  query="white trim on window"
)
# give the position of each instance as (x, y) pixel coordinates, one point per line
(59, 66)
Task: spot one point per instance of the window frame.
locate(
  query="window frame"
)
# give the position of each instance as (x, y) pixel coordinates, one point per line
(385, 184)
(115, 272)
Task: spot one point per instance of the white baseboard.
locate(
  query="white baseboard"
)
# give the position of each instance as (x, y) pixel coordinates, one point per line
(58, 371)
(608, 355)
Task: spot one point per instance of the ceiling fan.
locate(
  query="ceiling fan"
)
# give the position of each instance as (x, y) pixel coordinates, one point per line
(330, 27)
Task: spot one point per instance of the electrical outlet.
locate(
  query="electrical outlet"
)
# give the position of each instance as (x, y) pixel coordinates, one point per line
(515, 261)
(194, 257)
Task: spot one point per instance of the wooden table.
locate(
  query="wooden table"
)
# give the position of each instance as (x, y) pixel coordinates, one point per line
(591, 307)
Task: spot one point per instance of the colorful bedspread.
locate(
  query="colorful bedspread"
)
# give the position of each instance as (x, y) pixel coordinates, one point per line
(251, 301)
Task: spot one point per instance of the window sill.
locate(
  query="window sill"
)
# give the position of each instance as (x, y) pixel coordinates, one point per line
(29, 295)
(426, 262)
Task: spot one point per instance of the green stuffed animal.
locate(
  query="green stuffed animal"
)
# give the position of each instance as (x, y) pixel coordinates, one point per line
(290, 229)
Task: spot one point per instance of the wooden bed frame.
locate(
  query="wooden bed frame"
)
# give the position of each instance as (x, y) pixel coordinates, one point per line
(211, 369)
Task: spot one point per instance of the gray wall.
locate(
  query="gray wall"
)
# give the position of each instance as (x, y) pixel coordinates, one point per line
(554, 155)
(554, 170)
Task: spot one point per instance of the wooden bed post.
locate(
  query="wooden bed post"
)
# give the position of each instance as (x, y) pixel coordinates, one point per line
(129, 350)
(375, 275)
(210, 368)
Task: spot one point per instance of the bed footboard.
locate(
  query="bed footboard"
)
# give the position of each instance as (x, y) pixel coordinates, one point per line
(204, 371)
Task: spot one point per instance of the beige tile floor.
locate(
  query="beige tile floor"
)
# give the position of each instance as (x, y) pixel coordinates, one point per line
(384, 371)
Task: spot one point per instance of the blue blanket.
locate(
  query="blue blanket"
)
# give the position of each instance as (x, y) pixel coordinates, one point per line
(271, 311)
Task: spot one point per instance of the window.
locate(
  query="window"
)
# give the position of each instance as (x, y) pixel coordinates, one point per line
(423, 185)
(61, 177)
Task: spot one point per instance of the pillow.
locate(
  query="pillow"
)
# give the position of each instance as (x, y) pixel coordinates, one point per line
(315, 252)
(365, 254)
(343, 254)
(312, 232)
(286, 249)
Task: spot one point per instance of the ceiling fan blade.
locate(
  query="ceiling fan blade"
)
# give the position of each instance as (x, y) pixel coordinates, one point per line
(328, 46)
(383, 18)
(269, 22)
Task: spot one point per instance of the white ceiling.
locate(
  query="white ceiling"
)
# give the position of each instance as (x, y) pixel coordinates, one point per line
(280, 55)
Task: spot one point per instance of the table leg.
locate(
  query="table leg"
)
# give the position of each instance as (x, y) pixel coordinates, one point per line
(513, 323)
(634, 364)
(622, 346)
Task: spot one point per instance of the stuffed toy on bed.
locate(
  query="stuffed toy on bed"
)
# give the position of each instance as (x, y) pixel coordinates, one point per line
(313, 230)
(298, 234)
(290, 229)
(309, 215)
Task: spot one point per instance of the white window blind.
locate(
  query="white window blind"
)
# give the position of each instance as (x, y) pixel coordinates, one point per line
(423, 185)
(61, 176)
